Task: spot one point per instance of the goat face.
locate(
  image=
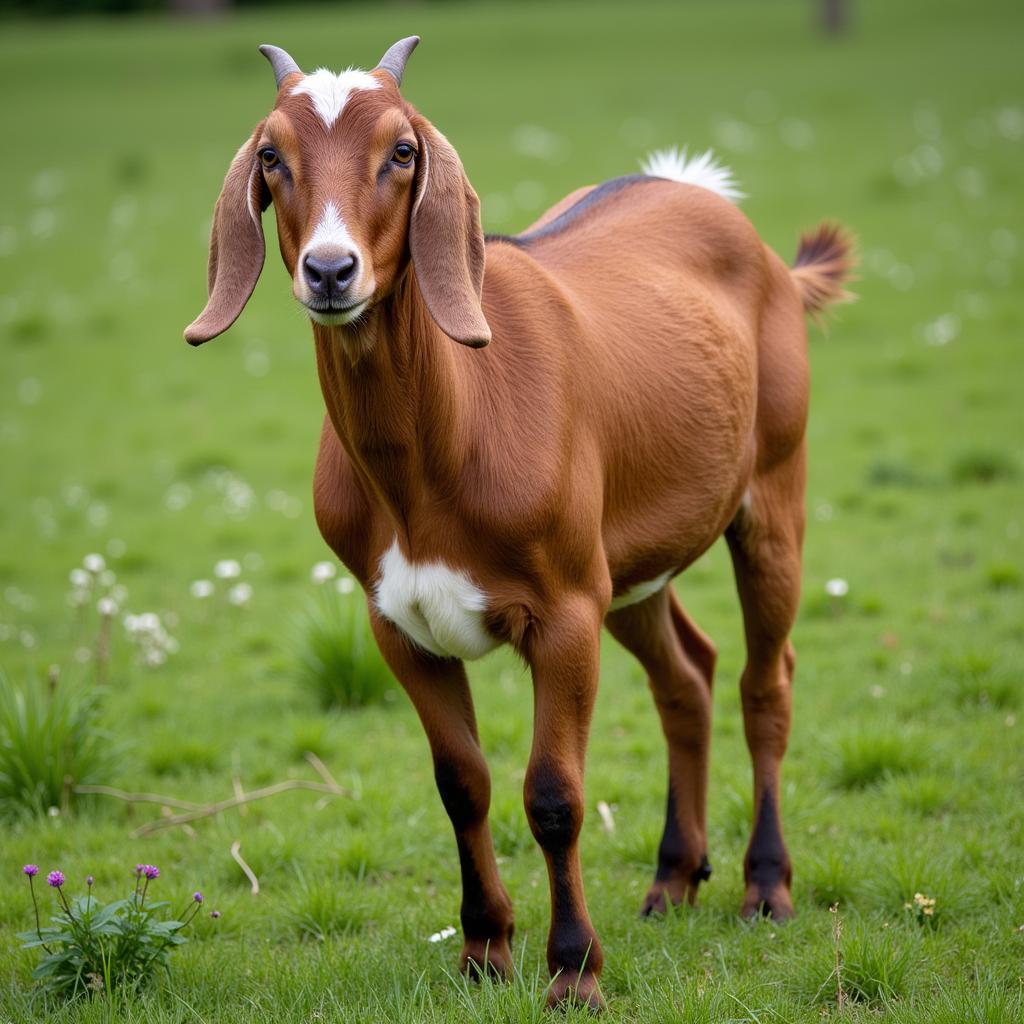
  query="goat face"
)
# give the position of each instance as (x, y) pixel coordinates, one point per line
(365, 189)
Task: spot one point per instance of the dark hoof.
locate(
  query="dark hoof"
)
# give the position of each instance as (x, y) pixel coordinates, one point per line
(673, 891)
(775, 903)
(492, 958)
(572, 988)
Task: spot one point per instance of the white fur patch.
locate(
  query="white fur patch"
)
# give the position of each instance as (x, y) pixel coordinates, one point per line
(438, 608)
(331, 233)
(330, 92)
(702, 169)
(639, 592)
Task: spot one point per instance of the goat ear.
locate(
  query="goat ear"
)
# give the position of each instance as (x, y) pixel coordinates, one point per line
(237, 247)
(447, 242)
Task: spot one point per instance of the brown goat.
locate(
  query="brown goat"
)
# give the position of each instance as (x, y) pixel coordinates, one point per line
(643, 390)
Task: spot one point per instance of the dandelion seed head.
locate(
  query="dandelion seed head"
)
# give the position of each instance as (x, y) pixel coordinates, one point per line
(322, 572)
(240, 594)
(94, 563)
(837, 587)
(201, 589)
(227, 569)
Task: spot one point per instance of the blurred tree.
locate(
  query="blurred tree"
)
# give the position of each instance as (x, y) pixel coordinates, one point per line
(835, 15)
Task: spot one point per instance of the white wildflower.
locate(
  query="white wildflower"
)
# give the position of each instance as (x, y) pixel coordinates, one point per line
(94, 563)
(837, 587)
(227, 569)
(107, 607)
(201, 589)
(445, 933)
(322, 572)
(80, 579)
(346, 585)
(240, 594)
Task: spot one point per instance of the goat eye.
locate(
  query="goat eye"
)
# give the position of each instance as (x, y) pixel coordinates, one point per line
(403, 154)
(268, 157)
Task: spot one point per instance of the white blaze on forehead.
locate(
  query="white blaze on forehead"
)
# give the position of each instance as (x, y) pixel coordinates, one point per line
(330, 92)
(331, 233)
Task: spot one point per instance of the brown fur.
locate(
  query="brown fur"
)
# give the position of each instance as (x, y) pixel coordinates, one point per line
(644, 391)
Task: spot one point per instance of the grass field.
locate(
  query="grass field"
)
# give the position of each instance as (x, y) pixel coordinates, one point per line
(904, 773)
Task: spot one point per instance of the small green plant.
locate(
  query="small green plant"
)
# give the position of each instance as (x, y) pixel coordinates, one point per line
(338, 658)
(50, 741)
(922, 909)
(95, 948)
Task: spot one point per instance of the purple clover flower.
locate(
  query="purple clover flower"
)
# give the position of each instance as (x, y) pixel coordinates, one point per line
(89, 880)
(215, 914)
(197, 897)
(31, 870)
(55, 878)
(151, 871)
(139, 868)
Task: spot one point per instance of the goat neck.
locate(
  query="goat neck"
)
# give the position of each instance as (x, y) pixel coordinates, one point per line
(397, 395)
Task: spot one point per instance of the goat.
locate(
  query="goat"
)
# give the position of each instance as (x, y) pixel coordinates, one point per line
(643, 391)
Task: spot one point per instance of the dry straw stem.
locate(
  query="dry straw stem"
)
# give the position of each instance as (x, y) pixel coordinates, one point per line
(837, 943)
(236, 853)
(192, 811)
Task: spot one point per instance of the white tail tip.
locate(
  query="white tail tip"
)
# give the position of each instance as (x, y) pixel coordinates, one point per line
(702, 170)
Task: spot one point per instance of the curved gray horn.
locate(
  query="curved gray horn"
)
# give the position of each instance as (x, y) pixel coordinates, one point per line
(394, 60)
(280, 61)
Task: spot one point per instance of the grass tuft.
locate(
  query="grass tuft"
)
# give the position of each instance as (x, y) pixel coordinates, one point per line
(982, 466)
(338, 659)
(866, 759)
(50, 740)
(325, 908)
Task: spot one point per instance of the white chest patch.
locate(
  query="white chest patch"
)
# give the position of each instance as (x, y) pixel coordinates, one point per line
(438, 608)
(640, 592)
(330, 92)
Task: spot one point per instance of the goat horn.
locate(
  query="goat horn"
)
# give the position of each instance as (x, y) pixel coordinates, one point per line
(394, 60)
(280, 61)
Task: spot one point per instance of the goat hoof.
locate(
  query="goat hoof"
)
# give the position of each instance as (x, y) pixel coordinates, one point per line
(774, 903)
(575, 988)
(672, 891)
(492, 958)
(660, 897)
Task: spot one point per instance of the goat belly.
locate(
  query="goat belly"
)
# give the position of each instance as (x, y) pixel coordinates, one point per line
(439, 608)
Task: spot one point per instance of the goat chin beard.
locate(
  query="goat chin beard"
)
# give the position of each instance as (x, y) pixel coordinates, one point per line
(339, 319)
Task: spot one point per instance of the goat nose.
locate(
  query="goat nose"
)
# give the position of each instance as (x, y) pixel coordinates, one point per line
(329, 275)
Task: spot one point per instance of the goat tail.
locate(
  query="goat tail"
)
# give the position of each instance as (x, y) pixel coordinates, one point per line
(825, 260)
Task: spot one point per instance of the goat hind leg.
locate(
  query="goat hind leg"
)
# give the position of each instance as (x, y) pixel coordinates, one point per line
(679, 660)
(765, 541)
(440, 693)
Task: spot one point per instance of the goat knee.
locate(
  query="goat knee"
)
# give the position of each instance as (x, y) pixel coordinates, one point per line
(554, 807)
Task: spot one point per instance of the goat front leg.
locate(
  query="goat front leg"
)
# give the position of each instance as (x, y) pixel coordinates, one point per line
(440, 693)
(564, 655)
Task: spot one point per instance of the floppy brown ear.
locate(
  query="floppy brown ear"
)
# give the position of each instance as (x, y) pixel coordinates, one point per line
(237, 248)
(447, 242)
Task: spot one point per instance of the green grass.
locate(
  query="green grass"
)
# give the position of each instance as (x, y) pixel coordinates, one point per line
(903, 773)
